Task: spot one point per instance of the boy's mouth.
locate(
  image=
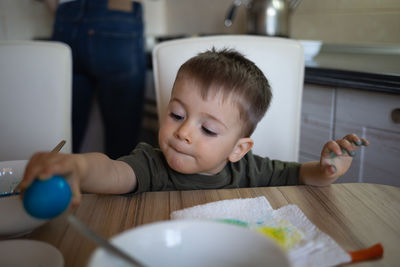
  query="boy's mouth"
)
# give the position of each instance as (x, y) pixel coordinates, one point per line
(179, 150)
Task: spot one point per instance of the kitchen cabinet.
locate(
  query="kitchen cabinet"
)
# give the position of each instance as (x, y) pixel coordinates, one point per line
(316, 120)
(332, 112)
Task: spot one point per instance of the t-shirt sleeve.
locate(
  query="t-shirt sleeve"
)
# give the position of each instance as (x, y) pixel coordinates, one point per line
(269, 172)
(284, 173)
(146, 163)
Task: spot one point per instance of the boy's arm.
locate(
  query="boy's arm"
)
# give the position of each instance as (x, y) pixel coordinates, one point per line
(336, 158)
(91, 172)
(100, 174)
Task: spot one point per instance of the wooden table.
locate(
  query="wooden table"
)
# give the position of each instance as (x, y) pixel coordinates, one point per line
(355, 215)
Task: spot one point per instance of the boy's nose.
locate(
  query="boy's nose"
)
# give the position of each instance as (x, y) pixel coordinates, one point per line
(184, 133)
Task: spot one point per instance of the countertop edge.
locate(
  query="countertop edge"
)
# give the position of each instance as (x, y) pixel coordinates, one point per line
(353, 79)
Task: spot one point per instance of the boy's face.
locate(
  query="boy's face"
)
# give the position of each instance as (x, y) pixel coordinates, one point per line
(200, 136)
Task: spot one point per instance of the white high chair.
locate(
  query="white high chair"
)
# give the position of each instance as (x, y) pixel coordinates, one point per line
(35, 98)
(278, 133)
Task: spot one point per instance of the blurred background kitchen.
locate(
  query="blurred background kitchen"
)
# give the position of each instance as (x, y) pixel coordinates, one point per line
(332, 21)
(351, 85)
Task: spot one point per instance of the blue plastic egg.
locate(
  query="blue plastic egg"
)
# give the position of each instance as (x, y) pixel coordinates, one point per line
(46, 199)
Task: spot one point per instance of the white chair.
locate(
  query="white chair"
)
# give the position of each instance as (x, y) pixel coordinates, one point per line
(277, 135)
(35, 97)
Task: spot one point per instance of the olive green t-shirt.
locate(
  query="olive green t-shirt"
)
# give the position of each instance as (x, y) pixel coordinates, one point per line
(154, 174)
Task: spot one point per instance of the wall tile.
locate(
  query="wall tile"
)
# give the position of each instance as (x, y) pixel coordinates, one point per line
(25, 19)
(348, 21)
(315, 27)
(311, 6)
(337, 6)
(369, 28)
(348, 5)
(390, 3)
(207, 16)
(3, 33)
(155, 17)
(11, 5)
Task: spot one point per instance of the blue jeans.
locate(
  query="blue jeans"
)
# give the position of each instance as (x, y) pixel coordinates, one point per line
(108, 62)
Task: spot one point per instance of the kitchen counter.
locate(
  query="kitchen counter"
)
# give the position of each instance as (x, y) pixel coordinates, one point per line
(375, 68)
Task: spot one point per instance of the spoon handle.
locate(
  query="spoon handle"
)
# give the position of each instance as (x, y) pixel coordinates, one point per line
(58, 147)
(99, 240)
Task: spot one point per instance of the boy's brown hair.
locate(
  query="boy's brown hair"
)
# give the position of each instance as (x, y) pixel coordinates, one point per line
(238, 78)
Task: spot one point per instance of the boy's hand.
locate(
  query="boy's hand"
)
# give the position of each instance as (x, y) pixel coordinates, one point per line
(44, 165)
(336, 156)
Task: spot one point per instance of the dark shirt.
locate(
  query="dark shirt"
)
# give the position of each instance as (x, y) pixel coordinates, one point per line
(154, 174)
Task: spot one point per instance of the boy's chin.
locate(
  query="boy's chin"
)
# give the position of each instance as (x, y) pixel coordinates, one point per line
(188, 165)
(180, 167)
(184, 168)
(187, 170)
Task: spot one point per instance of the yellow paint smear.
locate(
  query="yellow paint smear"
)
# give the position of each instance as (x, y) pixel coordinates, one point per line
(286, 235)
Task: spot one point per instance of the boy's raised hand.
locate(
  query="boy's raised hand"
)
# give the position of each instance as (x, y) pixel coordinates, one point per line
(43, 165)
(336, 156)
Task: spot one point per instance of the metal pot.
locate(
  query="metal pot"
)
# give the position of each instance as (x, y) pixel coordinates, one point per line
(265, 17)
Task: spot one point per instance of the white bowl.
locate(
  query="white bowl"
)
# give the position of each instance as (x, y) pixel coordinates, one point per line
(311, 48)
(23, 252)
(193, 243)
(15, 221)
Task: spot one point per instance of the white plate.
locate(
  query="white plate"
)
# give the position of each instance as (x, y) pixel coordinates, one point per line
(15, 221)
(193, 243)
(21, 253)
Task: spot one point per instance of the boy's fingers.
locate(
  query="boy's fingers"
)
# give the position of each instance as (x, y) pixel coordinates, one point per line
(29, 175)
(346, 144)
(364, 142)
(353, 138)
(76, 191)
(347, 147)
(356, 140)
(331, 147)
(51, 166)
(40, 166)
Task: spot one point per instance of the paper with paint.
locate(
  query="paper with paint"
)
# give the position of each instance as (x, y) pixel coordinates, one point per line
(305, 244)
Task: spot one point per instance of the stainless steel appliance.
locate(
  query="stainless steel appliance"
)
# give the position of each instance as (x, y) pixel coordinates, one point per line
(265, 17)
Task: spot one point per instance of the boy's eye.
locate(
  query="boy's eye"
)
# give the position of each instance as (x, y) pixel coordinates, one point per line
(176, 116)
(208, 131)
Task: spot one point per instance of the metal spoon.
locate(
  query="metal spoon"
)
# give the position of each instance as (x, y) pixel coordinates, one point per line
(101, 241)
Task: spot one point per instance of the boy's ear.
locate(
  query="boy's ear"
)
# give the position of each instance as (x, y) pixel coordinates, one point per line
(242, 146)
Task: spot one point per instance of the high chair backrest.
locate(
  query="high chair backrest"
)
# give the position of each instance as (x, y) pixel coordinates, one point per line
(281, 60)
(35, 97)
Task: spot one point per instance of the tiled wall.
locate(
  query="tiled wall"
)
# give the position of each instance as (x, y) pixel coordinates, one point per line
(201, 17)
(348, 21)
(333, 21)
(24, 19)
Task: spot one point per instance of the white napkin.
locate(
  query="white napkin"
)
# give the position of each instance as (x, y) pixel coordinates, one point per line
(305, 244)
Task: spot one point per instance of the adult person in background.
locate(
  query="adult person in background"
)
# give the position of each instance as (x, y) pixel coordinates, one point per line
(106, 38)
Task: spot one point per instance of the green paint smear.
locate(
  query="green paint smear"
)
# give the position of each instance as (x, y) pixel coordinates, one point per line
(234, 222)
